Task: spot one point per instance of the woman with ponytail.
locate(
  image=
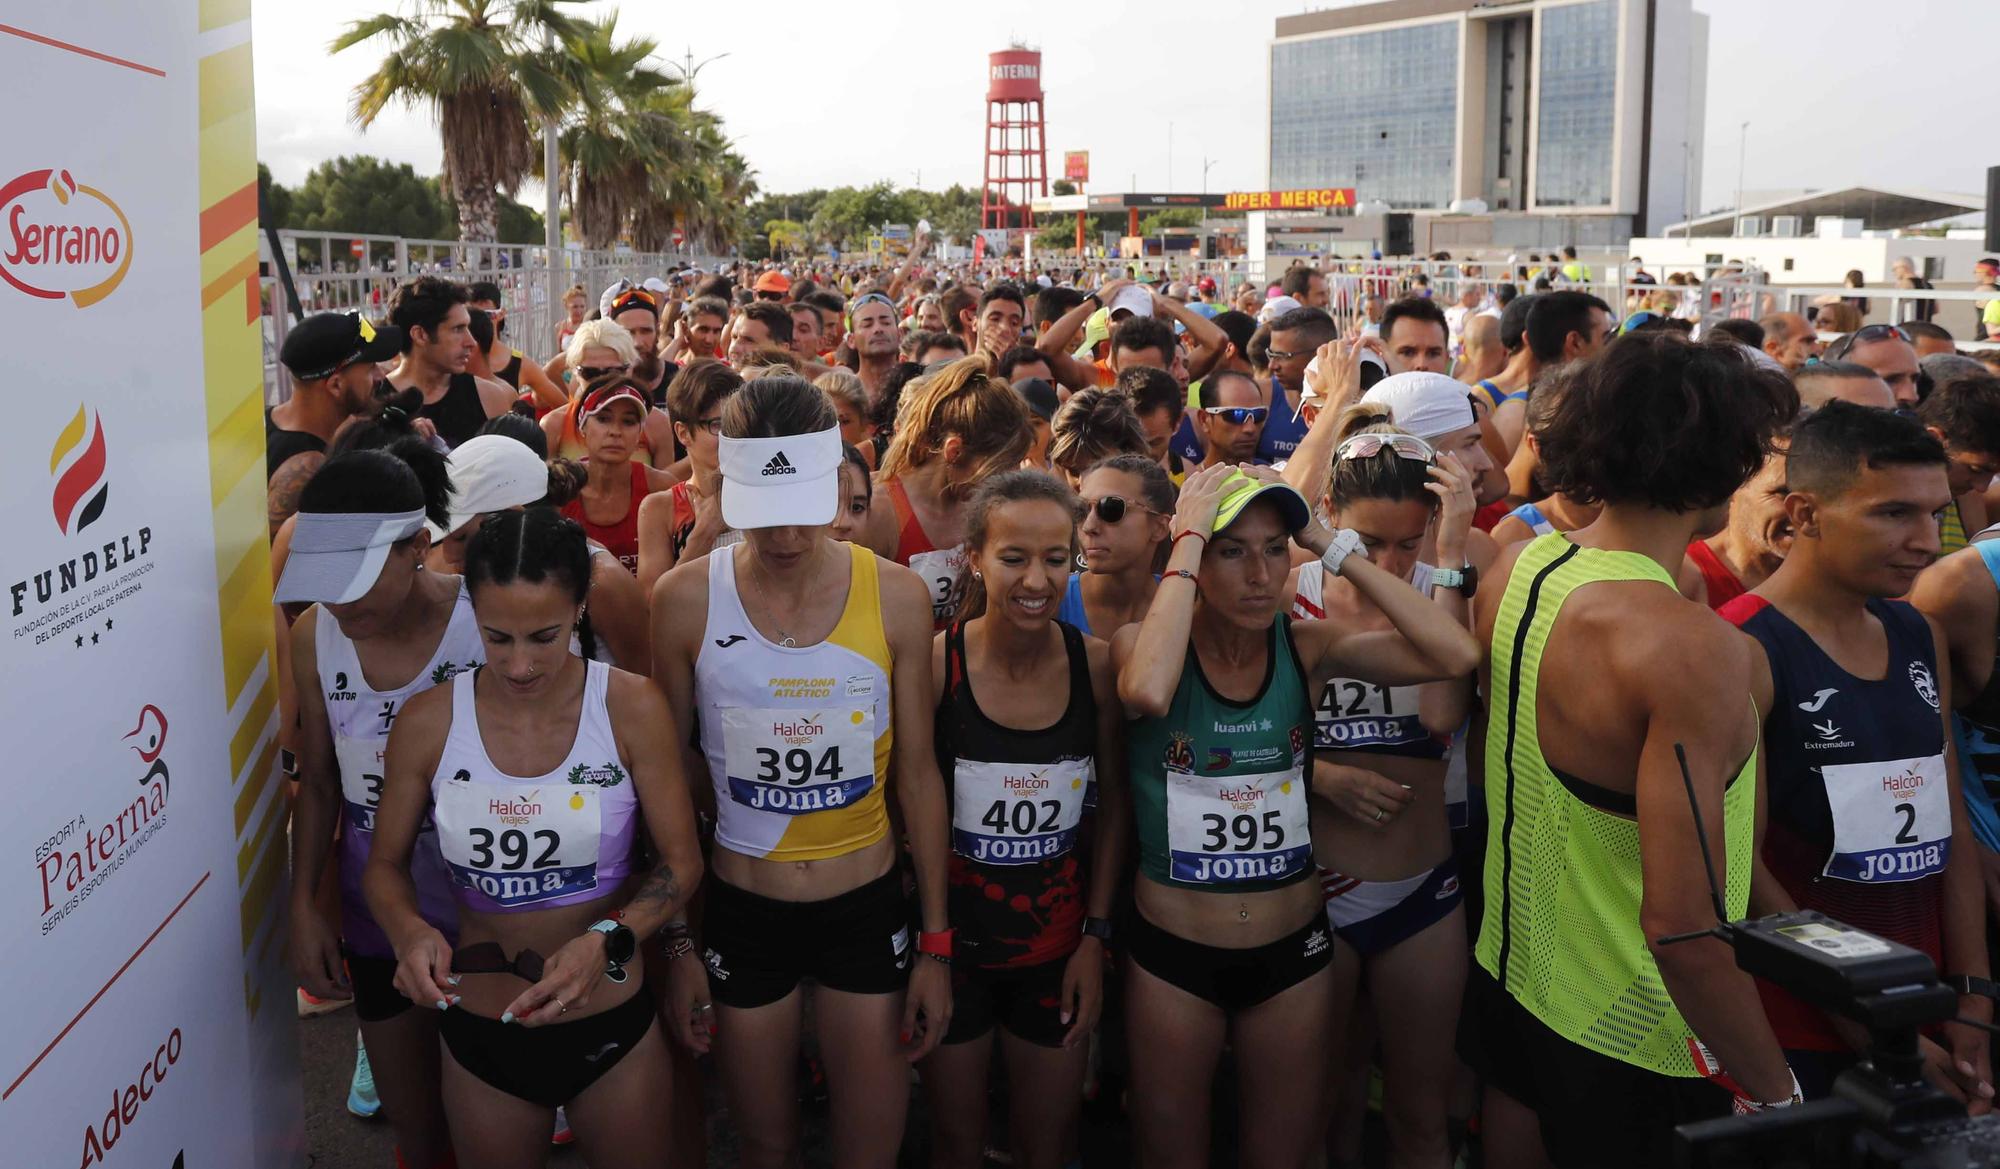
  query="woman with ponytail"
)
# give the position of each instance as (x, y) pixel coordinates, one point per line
(380, 630)
(954, 429)
(1383, 815)
(1028, 729)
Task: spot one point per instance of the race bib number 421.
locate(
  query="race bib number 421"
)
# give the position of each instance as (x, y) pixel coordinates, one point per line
(1229, 829)
(796, 761)
(519, 845)
(1891, 820)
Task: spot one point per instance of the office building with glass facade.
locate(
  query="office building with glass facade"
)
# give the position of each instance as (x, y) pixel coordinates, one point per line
(1584, 110)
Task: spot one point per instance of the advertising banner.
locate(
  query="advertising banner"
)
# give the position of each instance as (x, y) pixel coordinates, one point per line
(1076, 166)
(144, 826)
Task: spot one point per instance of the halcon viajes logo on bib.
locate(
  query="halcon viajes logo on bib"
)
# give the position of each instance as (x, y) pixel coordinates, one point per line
(77, 461)
(60, 238)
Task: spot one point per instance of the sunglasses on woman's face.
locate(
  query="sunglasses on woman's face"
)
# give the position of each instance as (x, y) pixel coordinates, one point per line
(593, 372)
(1112, 508)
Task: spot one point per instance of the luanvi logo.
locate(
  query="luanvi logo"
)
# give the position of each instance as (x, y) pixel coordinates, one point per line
(62, 238)
(80, 490)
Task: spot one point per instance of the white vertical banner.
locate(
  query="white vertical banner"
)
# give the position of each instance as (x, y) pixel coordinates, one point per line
(151, 1024)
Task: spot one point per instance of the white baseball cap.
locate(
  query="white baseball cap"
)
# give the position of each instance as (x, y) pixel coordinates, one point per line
(491, 472)
(1428, 405)
(780, 482)
(1276, 307)
(1136, 299)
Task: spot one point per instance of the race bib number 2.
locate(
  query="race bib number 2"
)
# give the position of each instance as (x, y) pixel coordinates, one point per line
(519, 846)
(1228, 829)
(1891, 821)
(1017, 813)
(792, 762)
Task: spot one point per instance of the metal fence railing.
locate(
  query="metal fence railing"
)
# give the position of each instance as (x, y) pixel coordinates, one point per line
(340, 273)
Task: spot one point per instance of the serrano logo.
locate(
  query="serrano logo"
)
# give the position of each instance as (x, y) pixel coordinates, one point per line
(80, 490)
(62, 238)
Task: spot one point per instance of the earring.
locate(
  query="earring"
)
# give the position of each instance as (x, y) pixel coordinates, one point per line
(976, 576)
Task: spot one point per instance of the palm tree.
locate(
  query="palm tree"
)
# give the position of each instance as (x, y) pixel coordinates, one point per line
(622, 131)
(482, 68)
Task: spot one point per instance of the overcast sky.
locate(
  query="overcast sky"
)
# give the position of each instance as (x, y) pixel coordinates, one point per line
(820, 95)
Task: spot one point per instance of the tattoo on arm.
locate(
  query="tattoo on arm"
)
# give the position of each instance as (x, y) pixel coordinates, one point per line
(282, 497)
(660, 891)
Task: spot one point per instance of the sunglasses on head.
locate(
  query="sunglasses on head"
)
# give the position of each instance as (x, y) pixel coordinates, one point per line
(1237, 415)
(1367, 446)
(1867, 335)
(1112, 508)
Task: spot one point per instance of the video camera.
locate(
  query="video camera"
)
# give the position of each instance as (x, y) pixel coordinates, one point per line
(1883, 1112)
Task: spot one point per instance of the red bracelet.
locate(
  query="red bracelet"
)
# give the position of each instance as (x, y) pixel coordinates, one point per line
(1185, 533)
(938, 945)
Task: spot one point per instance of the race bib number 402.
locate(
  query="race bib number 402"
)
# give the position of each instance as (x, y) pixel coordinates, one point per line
(1891, 821)
(1228, 829)
(519, 845)
(1016, 813)
(796, 761)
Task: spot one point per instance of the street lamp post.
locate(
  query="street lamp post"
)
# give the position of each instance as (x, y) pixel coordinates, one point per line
(1206, 162)
(1742, 152)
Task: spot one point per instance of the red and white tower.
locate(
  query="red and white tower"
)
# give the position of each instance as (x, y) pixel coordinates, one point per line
(1017, 163)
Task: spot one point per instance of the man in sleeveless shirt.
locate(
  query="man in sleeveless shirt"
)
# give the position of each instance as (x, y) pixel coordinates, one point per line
(437, 351)
(332, 358)
(1599, 673)
(1864, 820)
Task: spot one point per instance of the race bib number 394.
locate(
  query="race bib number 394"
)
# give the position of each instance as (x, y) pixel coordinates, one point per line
(1891, 820)
(796, 761)
(519, 845)
(1016, 813)
(1228, 829)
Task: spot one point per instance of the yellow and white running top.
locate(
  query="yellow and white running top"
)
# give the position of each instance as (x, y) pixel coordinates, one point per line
(797, 738)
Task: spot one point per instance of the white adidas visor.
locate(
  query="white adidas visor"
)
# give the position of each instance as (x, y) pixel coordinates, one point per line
(337, 557)
(780, 482)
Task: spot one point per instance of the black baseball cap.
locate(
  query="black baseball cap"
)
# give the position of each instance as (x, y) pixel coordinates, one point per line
(320, 345)
(1039, 396)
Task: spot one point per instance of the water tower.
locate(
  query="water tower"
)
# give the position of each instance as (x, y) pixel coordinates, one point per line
(1017, 163)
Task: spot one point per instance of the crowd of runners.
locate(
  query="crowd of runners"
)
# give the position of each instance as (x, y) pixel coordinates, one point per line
(1247, 715)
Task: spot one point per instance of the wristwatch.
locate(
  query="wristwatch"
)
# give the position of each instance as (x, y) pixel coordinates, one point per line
(1097, 927)
(1093, 298)
(1346, 542)
(620, 944)
(1465, 580)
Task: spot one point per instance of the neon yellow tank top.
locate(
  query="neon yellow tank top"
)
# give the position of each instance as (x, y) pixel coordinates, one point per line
(1951, 531)
(1561, 927)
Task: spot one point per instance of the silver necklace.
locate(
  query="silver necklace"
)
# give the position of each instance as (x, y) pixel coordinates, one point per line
(785, 639)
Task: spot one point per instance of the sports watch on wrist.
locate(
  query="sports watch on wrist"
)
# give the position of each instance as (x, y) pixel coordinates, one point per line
(1097, 927)
(620, 945)
(1346, 542)
(1465, 579)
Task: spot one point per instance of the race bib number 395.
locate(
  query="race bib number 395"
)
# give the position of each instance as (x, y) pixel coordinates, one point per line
(519, 845)
(1891, 820)
(1016, 813)
(1228, 829)
(796, 761)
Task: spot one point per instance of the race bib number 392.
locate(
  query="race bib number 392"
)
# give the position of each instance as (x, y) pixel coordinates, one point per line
(519, 845)
(1891, 820)
(1016, 813)
(1229, 829)
(796, 761)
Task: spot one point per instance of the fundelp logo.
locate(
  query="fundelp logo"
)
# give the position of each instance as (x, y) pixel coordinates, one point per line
(62, 238)
(80, 487)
